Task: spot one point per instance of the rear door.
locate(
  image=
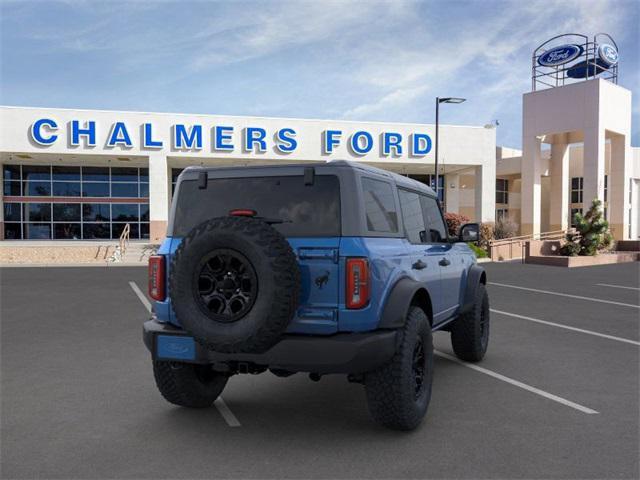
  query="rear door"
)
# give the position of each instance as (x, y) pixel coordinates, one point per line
(306, 212)
(441, 250)
(424, 260)
(318, 261)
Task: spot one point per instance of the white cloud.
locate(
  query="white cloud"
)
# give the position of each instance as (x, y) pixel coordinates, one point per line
(496, 51)
(362, 60)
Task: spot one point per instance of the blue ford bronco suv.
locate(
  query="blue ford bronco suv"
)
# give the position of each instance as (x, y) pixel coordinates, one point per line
(332, 267)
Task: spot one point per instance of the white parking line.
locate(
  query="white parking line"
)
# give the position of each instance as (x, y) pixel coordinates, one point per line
(566, 327)
(141, 296)
(228, 416)
(518, 384)
(617, 286)
(566, 295)
(222, 407)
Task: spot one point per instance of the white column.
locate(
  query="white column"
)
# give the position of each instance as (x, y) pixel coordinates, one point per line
(619, 186)
(158, 196)
(531, 172)
(452, 189)
(593, 166)
(1, 204)
(559, 202)
(485, 191)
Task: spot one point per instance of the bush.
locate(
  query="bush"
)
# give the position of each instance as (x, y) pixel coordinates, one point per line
(479, 252)
(505, 228)
(454, 222)
(486, 234)
(592, 233)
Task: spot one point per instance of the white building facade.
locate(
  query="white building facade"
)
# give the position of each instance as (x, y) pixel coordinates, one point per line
(85, 174)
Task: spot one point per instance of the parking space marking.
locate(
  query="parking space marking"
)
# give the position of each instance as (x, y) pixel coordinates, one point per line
(566, 327)
(611, 302)
(222, 407)
(141, 296)
(518, 384)
(226, 413)
(616, 286)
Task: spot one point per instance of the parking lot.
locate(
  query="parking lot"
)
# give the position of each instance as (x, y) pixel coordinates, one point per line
(556, 397)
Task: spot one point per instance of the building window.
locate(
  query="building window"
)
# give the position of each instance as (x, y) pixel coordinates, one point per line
(606, 187)
(502, 190)
(175, 173)
(576, 189)
(86, 210)
(573, 213)
(502, 214)
(431, 180)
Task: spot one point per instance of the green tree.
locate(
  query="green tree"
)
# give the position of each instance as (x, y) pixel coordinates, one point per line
(592, 233)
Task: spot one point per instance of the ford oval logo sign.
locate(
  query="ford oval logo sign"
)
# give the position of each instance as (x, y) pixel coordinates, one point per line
(177, 349)
(560, 55)
(608, 54)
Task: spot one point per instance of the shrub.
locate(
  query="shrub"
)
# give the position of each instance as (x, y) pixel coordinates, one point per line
(505, 228)
(592, 233)
(486, 234)
(479, 252)
(454, 222)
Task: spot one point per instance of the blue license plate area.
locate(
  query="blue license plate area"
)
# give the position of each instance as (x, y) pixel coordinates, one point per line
(175, 347)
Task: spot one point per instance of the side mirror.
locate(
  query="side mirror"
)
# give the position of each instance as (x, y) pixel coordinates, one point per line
(469, 232)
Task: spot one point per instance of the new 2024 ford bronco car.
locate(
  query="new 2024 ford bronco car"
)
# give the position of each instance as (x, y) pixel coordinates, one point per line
(322, 268)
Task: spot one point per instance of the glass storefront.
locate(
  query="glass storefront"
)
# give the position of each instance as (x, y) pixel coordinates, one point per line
(431, 181)
(175, 173)
(77, 202)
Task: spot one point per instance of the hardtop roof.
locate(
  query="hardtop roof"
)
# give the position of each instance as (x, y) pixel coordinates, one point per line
(400, 180)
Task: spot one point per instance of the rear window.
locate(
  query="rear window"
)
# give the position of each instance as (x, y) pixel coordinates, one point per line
(307, 210)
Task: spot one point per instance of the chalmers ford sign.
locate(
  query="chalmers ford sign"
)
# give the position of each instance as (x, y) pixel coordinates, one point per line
(46, 132)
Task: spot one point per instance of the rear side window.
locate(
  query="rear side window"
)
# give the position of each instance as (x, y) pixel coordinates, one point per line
(437, 232)
(306, 210)
(412, 216)
(380, 206)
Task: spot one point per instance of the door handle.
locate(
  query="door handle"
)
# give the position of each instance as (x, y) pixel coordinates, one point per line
(444, 262)
(419, 265)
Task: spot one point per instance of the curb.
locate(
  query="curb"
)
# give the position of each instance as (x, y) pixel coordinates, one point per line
(70, 265)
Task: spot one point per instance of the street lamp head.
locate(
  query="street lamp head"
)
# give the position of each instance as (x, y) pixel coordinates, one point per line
(451, 100)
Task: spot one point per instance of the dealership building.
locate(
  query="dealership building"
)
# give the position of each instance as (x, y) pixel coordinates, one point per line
(86, 174)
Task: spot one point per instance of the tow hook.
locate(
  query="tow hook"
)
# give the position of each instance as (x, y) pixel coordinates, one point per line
(315, 377)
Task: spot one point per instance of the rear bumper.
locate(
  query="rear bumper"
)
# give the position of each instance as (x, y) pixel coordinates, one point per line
(339, 353)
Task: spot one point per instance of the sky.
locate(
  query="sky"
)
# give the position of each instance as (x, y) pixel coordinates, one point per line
(345, 60)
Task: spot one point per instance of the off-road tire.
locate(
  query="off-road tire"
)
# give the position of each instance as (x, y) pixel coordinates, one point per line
(278, 284)
(188, 385)
(470, 332)
(392, 396)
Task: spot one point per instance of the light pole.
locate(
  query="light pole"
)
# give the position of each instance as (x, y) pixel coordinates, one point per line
(438, 102)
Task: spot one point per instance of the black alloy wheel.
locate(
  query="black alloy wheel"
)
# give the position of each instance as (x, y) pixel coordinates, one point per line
(227, 285)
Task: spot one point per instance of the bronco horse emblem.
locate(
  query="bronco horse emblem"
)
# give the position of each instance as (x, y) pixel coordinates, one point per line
(322, 280)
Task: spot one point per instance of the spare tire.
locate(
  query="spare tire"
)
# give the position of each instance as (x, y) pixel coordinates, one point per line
(234, 284)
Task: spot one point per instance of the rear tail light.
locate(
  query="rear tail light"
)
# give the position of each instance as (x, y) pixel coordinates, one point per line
(243, 212)
(357, 282)
(156, 277)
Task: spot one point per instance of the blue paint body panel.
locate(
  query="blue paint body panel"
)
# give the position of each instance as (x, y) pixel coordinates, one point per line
(322, 308)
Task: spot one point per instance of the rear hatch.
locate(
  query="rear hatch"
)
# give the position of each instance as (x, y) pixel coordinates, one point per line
(306, 210)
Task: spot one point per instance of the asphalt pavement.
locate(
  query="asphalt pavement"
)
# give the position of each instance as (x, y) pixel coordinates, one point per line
(556, 397)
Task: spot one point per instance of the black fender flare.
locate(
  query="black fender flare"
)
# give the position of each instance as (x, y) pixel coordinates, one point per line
(476, 276)
(395, 310)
